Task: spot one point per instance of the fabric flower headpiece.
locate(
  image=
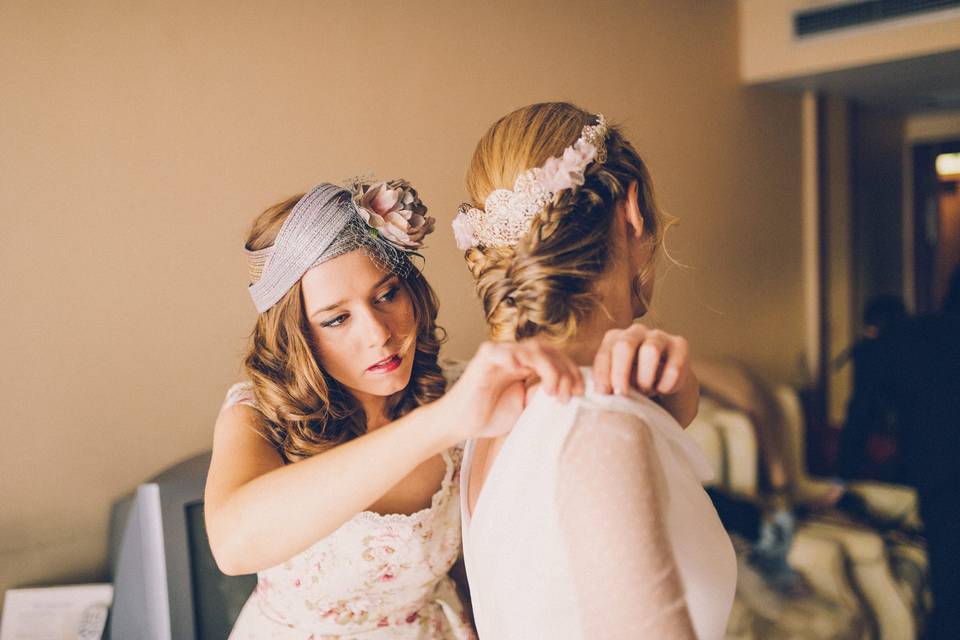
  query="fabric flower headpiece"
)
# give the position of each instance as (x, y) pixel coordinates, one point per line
(507, 215)
(386, 220)
(393, 210)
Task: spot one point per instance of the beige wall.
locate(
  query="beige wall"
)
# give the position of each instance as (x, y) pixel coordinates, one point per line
(930, 127)
(137, 140)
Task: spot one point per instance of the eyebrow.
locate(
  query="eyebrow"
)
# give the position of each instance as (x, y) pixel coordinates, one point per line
(340, 302)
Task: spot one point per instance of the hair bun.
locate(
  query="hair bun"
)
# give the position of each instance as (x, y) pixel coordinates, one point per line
(544, 285)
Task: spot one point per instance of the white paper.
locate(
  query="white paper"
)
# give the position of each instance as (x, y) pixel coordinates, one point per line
(50, 613)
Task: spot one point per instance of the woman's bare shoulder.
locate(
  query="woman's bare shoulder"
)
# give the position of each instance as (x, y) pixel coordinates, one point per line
(241, 451)
(239, 426)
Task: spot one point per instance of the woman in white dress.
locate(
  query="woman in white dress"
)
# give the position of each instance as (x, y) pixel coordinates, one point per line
(587, 520)
(334, 473)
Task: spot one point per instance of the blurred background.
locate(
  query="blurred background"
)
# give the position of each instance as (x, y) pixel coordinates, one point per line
(810, 149)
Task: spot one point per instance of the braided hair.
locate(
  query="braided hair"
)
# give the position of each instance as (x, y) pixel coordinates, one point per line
(543, 286)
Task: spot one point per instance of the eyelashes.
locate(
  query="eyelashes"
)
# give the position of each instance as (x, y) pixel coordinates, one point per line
(388, 296)
(336, 322)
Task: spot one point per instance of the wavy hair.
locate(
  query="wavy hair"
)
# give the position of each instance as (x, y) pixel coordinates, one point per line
(304, 410)
(544, 285)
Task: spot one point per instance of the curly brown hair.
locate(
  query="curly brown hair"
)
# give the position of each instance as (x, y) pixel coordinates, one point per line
(544, 285)
(302, 409)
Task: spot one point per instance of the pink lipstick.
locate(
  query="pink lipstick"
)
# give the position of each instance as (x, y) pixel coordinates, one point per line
(387, 365)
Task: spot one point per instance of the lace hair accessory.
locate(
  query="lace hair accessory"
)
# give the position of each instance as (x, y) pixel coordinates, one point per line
(385, 219)
(506, 215)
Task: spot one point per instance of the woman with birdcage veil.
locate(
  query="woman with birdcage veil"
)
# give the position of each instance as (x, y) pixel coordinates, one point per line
(588, 519)
(335, 466)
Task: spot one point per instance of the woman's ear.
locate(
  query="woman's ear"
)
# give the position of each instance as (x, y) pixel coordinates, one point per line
(631, 211)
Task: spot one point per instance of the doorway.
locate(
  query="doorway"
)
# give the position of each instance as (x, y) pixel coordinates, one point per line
(936, 216)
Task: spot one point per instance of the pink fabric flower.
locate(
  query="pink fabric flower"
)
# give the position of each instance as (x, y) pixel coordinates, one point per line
(507, 214)
(566, 171)
(464, 231)
(394, 209)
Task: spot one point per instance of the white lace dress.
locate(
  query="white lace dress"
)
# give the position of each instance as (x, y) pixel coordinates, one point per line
(592, 524)
(374, 578)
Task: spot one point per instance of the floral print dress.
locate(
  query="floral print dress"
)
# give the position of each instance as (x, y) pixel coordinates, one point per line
(374, 578)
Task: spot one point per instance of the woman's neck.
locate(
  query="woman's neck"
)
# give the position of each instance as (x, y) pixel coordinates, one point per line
(613, 311)
(373, 408)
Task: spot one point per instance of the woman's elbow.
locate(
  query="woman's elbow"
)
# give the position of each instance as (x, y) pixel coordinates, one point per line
(228, 561)
(228, 558)
(229, 569)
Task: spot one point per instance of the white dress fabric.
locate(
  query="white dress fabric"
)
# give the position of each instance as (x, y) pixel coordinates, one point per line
(593, 524)
(377, 577)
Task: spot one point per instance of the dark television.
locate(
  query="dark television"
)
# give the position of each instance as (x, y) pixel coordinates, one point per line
(166, 583)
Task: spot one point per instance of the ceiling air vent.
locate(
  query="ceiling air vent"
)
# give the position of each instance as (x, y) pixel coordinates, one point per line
(865, 12)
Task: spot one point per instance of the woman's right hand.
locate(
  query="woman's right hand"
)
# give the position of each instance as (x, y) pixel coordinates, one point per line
(490, 394)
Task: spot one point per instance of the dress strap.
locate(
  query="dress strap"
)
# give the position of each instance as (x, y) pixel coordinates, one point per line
(240, 393)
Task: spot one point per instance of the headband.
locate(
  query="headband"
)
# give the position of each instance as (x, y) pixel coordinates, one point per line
(386, 219)
(507, 215)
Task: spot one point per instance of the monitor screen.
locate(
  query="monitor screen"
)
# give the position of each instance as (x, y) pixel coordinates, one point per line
(167, 585)
(217, 597)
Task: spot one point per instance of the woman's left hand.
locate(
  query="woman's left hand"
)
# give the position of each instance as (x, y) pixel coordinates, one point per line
(652, 361)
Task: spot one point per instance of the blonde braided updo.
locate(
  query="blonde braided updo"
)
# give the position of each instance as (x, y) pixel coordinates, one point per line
(543, 286)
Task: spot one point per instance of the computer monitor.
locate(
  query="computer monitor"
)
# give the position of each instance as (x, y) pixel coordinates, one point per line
(166, 583)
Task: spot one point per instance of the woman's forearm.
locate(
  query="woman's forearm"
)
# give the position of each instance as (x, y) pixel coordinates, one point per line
(282, 512)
